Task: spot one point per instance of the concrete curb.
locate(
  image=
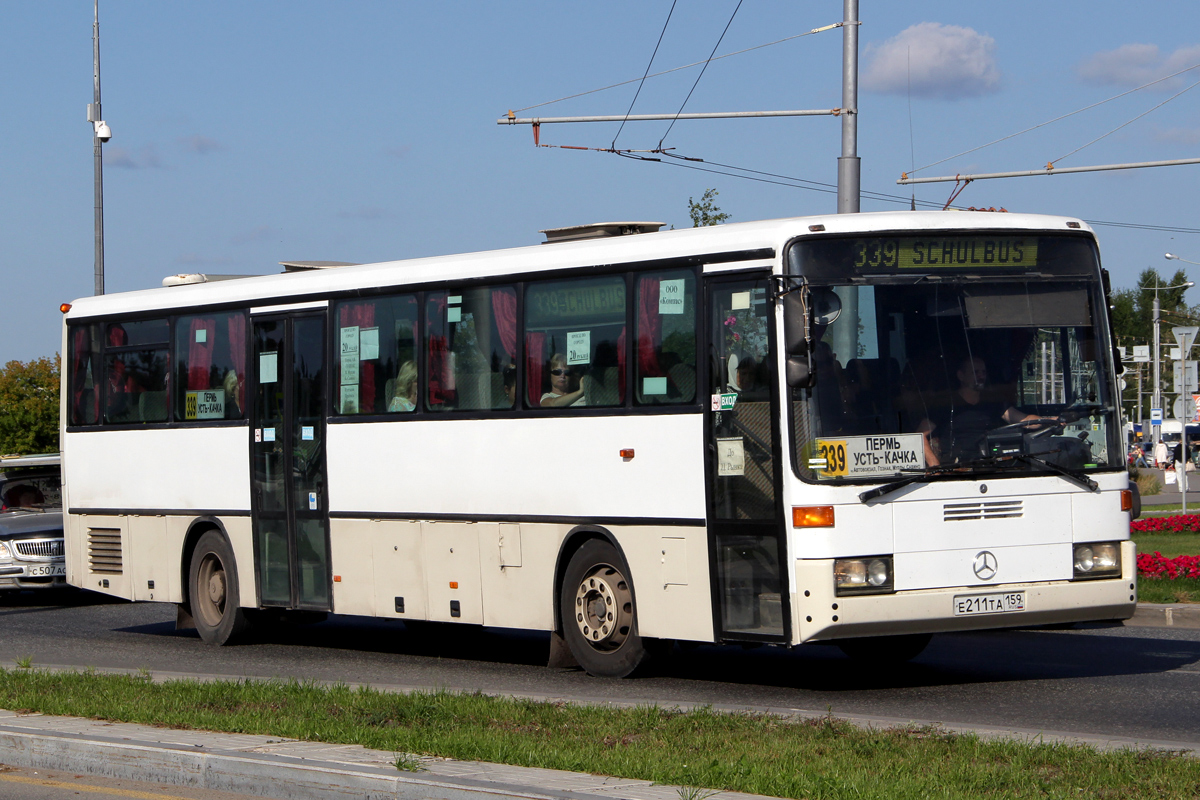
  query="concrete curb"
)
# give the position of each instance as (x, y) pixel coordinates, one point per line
(272, 767)
(1159, 615)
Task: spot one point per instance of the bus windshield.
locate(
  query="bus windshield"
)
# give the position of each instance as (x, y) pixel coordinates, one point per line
(975, 369)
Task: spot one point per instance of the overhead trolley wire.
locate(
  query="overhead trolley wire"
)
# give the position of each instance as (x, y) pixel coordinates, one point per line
(647, 72)
(1056, 119)
(702, 70)
(685, 66)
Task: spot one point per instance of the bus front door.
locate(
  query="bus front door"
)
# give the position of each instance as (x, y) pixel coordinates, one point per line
(288, 482)
(744, 515)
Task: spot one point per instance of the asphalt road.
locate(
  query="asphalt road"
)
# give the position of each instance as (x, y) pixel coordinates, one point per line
(1141, 683)
(18, 783)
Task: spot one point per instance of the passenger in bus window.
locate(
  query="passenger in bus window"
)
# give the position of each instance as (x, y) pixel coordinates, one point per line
(405, 388)
(232, 386)
(510, 387)
(560, 394)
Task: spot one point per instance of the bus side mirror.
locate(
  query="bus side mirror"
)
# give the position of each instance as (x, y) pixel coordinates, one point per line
(795, 337)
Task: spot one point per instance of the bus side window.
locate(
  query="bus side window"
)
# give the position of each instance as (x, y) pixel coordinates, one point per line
(377, 355)
(666, 338)
(85, 375)
(210, 367)
(136, 372)
(575, 343)
(471, 339)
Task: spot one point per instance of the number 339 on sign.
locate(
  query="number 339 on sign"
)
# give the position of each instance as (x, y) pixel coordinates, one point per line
(834, 453)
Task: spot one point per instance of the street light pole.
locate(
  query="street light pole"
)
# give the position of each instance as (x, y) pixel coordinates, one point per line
(1156, 394)
(100, 135)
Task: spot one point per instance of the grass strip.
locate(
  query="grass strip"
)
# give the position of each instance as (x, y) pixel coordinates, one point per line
(1165, 590)
(1169, 544)
(761, 754)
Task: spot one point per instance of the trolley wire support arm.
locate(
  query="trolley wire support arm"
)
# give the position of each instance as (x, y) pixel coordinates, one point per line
(1050, 169)
(512, 119)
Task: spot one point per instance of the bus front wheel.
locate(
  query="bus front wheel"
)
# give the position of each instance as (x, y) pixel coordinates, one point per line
(598, 615)
(213, 591)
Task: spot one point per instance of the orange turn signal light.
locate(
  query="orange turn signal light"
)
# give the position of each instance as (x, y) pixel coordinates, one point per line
(337, 578)
(812, 516)
(65, 307)
(453, 584)
(627, 453)
(1126, 500)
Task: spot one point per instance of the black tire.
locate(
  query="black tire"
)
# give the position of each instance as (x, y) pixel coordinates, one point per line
(885, 649)
(598, 615)
(213, 591)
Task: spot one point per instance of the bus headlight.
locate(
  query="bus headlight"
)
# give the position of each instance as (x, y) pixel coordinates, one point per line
(870, 575)
(1097, 560)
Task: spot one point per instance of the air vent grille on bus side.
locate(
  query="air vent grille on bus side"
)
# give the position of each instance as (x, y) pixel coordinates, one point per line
(104, 550)
(991, 509)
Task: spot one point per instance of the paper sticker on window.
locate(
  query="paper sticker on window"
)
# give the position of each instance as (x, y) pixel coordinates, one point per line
(208, 404)
(268, 434)
(670, 296)
(579, 347)
(349, 340)
(201, 335)
(312, 501)
(454, 314)
(454, 299)
(258, 434)
(349, 399)
(368, 344)
(654, 385)
(739, 300)
(731, 457)
(724, 402)
(268, 369)
(306, 433)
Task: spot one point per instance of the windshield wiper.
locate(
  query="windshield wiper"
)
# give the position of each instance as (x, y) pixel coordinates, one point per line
(1074, 476)
(942, 472)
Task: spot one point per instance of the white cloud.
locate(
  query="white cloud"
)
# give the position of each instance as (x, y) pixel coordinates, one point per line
(122, 158)
(201, 145)
(944, 61)
(1135, 64)
(1184, 136)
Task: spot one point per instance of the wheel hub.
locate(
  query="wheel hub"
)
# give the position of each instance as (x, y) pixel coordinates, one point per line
(604, 608)
(216, 588)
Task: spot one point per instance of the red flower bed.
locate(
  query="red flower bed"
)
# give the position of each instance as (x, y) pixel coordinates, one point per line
(1179, 523)
(1158, 566)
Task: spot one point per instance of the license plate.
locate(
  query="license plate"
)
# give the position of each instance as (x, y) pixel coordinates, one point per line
(966, 605)
(44, 570)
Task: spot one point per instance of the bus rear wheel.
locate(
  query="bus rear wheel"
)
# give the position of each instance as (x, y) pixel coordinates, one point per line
(598, 614)
(213, 591)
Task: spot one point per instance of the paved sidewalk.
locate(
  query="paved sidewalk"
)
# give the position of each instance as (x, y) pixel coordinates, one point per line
(283, 768)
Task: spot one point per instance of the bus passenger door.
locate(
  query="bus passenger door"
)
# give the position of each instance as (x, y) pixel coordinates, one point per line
(287, 469)
(745, 523)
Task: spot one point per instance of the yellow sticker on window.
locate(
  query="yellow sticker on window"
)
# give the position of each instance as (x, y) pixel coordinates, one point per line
(834, 453)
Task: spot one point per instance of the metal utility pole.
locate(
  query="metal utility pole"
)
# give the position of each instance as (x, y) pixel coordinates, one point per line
(1156, 398)
(849, 170)
(100, 135)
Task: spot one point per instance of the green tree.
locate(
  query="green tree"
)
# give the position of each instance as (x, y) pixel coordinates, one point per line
(29, 406)
(705, 212)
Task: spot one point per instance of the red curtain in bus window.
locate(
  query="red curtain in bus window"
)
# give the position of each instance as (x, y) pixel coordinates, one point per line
(83, 412)
(535, 366)
(117, 382)
(237, 356)
(649, 329)
(504, 307)
(200, 354)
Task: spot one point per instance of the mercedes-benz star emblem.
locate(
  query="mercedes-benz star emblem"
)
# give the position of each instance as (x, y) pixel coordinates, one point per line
(985, 565)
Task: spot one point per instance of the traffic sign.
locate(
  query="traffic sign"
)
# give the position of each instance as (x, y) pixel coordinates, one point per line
(1141, 353)
(1184, 408)
(1177, 374)
(1156, 416)
(1185, 335)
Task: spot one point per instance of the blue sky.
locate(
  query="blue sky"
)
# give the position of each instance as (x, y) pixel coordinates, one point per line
(250, 133)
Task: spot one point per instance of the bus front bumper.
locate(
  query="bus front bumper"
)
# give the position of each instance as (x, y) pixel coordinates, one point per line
(823, 616)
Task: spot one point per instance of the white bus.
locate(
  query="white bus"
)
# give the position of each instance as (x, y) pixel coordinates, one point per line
(860, 429)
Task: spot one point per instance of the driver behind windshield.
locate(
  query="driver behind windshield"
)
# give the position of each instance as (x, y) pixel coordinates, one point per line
(954, 431)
